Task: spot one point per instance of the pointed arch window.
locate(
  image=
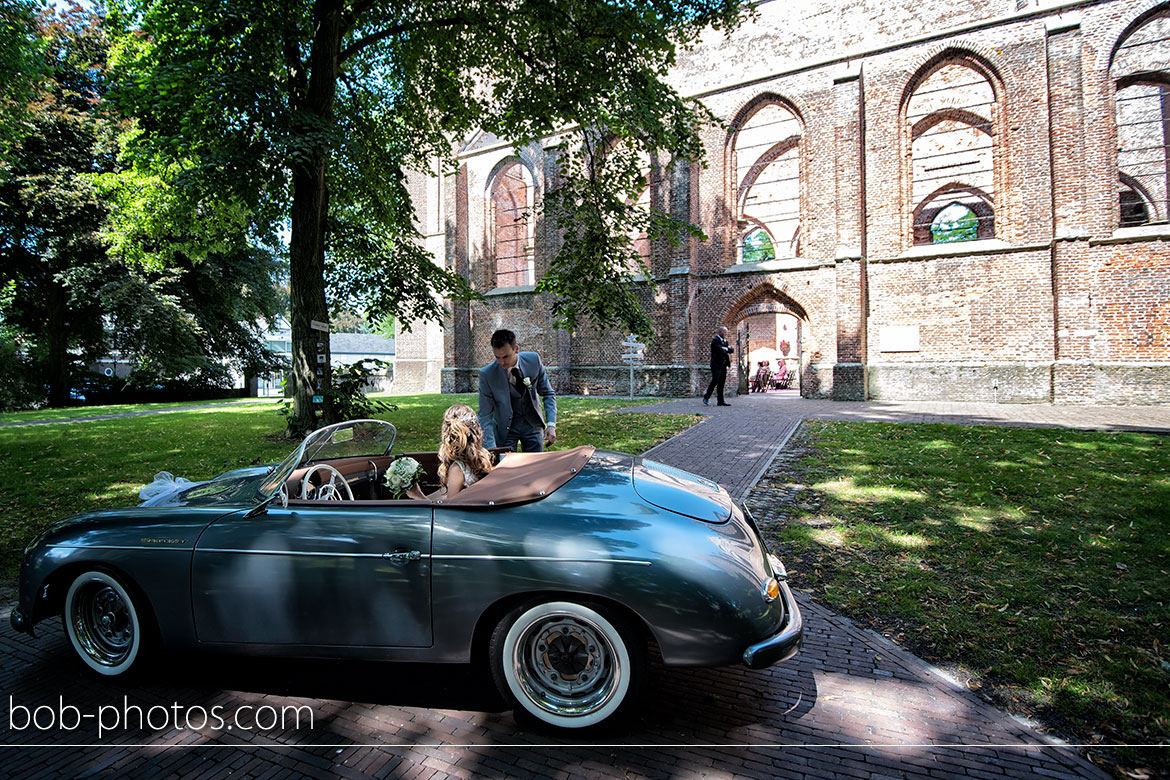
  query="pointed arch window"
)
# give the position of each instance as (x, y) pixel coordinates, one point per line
(768, 178)
(1142, 114)
(954, 213)
(628, 162)
(951, 119)
(955, 222)
(510, 226)
(758, 246)
(1134, 202)
(639, 237)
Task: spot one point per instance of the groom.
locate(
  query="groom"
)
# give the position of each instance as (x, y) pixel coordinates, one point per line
(508, 389)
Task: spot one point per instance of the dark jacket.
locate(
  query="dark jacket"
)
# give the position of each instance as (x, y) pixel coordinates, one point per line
(720, 353)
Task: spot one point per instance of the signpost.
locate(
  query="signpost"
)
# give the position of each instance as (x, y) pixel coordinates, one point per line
(322, 363)
(633, 355)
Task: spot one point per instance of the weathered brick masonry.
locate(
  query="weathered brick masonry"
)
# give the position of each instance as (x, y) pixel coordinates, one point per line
(935, 188)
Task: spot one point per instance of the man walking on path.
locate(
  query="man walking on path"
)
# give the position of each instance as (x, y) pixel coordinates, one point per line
(508, 408)
(720, 361)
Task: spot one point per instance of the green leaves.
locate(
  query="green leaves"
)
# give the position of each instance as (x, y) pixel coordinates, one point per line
(194, 317)
(227, 88)
(21, 70)
(314, 113)
(387, 275)
(599, 275)
(155, 223)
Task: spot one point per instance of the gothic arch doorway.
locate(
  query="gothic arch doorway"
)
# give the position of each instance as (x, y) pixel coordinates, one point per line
(770, 346)
(771, 332)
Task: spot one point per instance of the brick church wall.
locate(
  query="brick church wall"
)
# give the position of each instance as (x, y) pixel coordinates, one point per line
(1052, 302)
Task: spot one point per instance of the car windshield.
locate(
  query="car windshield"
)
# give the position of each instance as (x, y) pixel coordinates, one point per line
(355, 438)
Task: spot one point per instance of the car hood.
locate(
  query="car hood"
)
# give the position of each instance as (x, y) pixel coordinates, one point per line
(240, 487)
(681, 492)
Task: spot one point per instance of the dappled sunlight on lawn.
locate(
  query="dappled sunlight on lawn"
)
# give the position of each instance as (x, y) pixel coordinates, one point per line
(850, 490)
(125, 493)
(69, 412)
(982, 526)
(908, 541)
(858, 536)
(239, 409)
(1051, 541)
(830, 537)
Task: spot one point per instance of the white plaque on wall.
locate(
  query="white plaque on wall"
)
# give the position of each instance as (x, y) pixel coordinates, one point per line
(898, 338)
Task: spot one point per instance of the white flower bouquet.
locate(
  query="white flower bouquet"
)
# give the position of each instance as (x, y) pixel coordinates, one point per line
(402, 473)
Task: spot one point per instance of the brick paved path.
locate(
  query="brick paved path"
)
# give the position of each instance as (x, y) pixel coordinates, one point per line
(837, 710)
(738, 442)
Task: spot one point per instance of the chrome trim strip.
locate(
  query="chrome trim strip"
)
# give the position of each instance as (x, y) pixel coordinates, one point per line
(538, 558)
(542, 558)
(301, 553)
(160, 546)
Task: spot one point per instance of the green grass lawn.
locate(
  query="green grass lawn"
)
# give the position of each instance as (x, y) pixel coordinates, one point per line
(70, 412)
(1033, 561)
(55, 470)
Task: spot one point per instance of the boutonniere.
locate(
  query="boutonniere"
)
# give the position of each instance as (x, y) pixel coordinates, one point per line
(528, 381)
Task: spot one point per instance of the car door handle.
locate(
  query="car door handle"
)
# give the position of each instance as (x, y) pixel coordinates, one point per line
(413, 555)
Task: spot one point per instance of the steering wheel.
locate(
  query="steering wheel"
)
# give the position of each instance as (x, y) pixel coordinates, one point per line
(328, 491)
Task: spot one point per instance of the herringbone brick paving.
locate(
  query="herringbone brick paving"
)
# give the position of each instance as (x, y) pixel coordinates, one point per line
(850, 705)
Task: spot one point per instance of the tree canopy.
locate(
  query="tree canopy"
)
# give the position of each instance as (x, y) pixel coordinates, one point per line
(83, 273)
(22, 65)
(312, 113)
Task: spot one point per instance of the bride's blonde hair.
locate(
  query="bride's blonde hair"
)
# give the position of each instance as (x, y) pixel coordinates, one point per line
(461, 438)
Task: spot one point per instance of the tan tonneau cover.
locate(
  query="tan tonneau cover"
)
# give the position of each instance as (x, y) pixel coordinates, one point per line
(521, 477)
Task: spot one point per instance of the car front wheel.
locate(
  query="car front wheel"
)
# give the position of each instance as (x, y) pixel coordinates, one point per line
(103, 624)
(567, 664)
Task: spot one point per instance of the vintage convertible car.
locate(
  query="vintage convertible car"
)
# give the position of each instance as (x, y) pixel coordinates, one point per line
(556, 567)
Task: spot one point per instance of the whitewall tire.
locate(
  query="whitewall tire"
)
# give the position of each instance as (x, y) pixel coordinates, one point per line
(103, 623)
(566, 664)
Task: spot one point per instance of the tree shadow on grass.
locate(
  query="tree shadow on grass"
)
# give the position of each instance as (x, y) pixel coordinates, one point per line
(1052, 541)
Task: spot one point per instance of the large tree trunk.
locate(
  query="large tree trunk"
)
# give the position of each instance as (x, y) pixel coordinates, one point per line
(311, 374)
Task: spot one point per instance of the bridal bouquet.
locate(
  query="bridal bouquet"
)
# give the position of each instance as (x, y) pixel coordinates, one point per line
(402, 473)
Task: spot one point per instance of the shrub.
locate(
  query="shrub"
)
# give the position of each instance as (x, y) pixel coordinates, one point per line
(16, 391)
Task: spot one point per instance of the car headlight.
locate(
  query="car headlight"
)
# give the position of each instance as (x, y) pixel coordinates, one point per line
(771, 588)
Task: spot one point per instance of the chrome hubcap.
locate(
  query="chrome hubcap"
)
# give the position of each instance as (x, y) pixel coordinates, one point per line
(102, 622)
(566, 665)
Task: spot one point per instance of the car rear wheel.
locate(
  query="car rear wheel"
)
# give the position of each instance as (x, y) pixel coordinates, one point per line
(103, 623)
(566, 664)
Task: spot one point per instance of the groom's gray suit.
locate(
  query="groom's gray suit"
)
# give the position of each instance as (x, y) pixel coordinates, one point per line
(496, 413)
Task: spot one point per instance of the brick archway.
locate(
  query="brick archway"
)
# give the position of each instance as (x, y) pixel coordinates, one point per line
(769, 325)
